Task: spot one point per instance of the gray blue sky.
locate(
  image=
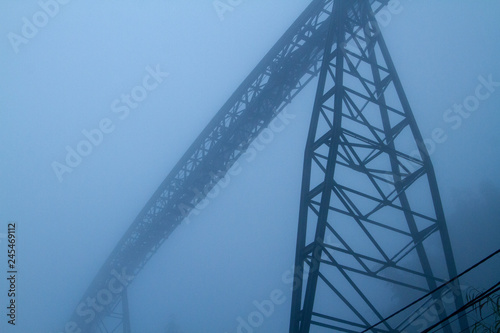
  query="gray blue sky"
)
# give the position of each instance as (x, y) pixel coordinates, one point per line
(65, 77)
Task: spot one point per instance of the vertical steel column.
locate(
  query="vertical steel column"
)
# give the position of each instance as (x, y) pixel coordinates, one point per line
(376, 37)
(301, 320)
(126, 312)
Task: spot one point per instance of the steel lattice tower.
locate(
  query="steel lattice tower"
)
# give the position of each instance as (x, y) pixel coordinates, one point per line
(370, 220)
(367, 186)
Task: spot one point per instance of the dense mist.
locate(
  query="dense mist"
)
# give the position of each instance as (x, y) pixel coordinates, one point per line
(80, 157)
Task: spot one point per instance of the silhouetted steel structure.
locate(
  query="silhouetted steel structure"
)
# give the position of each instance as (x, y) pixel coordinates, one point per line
(367, 179)
(369, 195)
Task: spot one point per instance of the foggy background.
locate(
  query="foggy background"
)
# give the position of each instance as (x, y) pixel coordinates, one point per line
(208, 273)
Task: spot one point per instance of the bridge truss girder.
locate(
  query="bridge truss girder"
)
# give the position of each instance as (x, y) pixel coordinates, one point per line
(286, 69)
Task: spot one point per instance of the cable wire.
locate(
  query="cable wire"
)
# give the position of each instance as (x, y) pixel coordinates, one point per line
(485, 294)
(433, 291)
(478, 321)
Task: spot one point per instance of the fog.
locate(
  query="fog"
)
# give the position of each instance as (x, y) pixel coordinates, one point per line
(67, 78)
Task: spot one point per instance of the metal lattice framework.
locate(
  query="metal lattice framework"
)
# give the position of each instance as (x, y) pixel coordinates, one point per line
(370, 206)
(361, 120)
